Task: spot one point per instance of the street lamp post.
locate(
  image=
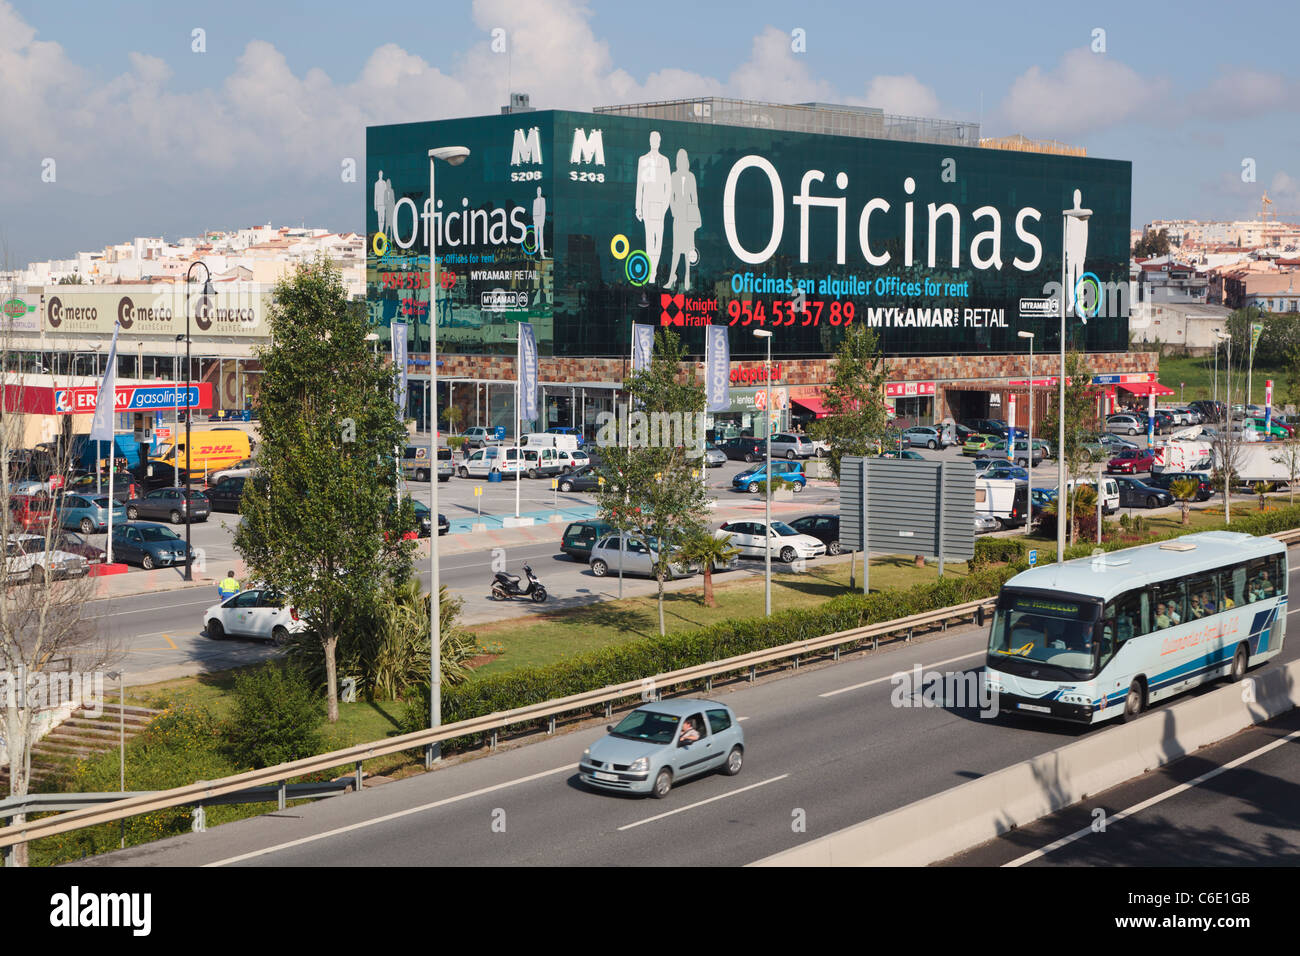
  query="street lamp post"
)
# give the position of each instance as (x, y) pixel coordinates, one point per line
(1029, 507)
(1228, 442)
(1219, 333)
(176, 408)
(767, 496)
(189, 413)
(453, 156)
(1066, 215)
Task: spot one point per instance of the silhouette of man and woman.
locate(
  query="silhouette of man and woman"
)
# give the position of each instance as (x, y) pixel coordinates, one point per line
(660, 190)
(385, 203)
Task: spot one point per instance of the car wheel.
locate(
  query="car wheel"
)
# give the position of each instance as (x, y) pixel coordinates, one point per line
(175, 517)
(279, 636)
(833, 548)
(599, 568)
(1132, 431)
(421, 475)
(790, 455)
(797, 488)
(86, 526)
(215, 631)
(132, 513)
(663, 783)
(788, 555)
(1239, 661)
(532, 472)
(749, 457)
(932, 445)
(146, 561)
(464, 472)
(1152, 501)
(752, 488)
(566, 486)
(735, 760)
(1136, 701)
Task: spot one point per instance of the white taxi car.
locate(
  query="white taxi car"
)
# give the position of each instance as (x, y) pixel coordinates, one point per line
(257, 613)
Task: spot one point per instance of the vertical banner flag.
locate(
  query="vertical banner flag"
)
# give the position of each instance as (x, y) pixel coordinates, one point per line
(101, 426)
(1255, 331)
(1151, 418)
(717, 368)
(1011, 427)
(527, 372)
(1268, 406)
(398, 335)
(643, 343)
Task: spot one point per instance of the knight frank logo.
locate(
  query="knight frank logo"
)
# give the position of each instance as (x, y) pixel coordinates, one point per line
(682, 309)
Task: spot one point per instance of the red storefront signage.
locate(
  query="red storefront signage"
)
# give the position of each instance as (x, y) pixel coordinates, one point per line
(908, 389)
(48, 400)
(754, 375)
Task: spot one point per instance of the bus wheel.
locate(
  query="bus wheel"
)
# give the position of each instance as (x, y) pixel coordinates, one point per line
(1136, 701)
(1238, 664)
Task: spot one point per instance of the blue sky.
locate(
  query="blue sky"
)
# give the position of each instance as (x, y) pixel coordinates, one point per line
(150, 137)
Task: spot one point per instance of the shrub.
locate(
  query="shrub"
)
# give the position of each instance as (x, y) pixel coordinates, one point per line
(990, 551)
(456, 442)
(276, 717)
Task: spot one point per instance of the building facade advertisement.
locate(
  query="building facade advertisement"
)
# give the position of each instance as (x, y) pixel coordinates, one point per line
(717, 365)
(908, 389)
(157, 311)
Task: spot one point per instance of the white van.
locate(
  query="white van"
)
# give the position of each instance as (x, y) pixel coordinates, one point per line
(1109, 493)
(483, 461)
(548, 440)
(1006, 499)
(538, 462)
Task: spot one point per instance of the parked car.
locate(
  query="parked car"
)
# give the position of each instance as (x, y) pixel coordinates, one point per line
(978, 442)
(416, 464)
(541, 462)
(160, 474)
(925, 435)
(906, 453)
(170, 503)
(638, 557)
(583, 479)
(480, 437)
(88, 513)
(18, 566)
(753, 539)
(125, 486)
(1210, 411)
(984, 523)
(1126, 424)
(226, 494)
(1165, 481)
(714, 457)
(148, 545)
(241, 469)
(48, 564)
(790, 445)
(994, 426)
(1131, 461)
(259, 613)
(1106, 445)
(647, 752)
(31, 512)
(824, 527)
(1042, 497)
(1022, 451)
(1139, 494)
(1001, 468)
(751, 479)
(572, 460)
(744, 449)
(74, 542)
(1275, 430)
(580, 536)
(444, 525)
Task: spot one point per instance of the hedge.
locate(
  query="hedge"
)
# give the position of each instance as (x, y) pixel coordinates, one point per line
(642, 659)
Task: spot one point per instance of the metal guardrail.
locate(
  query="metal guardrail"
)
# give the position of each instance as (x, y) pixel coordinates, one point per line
(60, 802)
(270, 778)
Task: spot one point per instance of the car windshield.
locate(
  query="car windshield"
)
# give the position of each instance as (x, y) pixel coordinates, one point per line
(647, 725)
(159, 534)
(1048, 634)
(783, 529)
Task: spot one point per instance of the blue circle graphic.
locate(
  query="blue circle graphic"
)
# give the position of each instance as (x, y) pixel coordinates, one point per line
(1087, 277)
(637, 267)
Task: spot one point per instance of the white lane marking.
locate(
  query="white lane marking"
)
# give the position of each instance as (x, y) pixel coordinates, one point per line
(570, 767)
(881, 680)
(1158, 798)
(692, 806)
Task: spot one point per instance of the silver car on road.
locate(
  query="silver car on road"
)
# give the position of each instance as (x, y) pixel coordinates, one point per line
(638, 558)
(664, 742)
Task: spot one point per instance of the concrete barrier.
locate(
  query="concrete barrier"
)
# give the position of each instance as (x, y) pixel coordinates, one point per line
(967, 815)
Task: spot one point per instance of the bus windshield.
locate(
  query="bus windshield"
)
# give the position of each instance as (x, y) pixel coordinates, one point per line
(1047, 637)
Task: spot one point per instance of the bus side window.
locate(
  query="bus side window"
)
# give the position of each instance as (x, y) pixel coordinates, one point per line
(1232, 587)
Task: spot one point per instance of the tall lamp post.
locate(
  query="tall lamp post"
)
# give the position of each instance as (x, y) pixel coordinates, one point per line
(452, 156)
(766, 335)
(205, 304)
(176, 408)
(1228, 441)
(1066, 215)
(1029, 438)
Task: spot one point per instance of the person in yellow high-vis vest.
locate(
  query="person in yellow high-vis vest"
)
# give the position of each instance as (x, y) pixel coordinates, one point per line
(228, 586)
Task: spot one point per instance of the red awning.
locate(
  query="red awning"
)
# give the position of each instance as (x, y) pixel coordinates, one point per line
(814, 405)
(1147, 388)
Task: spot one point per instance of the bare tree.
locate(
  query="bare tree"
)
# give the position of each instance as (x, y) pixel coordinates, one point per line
(49, 647)
(1288, 456)
(1227, 462)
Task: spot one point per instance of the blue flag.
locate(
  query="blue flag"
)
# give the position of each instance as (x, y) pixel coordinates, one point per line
(527, 372)
(717, 368)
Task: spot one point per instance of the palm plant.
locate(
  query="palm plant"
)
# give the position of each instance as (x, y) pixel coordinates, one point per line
(706, 550)
(1184, 490)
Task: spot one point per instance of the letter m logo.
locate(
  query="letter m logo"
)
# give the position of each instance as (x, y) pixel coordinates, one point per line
(588, 148)
(527, 147)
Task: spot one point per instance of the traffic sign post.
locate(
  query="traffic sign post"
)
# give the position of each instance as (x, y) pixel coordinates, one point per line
(1033, 557)
(478, 499)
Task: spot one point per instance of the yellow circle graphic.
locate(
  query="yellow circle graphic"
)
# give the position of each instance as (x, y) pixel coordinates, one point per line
(619, 246)
(380, 244)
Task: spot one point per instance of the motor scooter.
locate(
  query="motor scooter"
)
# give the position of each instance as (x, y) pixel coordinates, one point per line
(507, 586)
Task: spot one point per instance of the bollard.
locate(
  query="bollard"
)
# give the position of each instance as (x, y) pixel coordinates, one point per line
(836, 655)
(280, 797)
(200, 824)
(752, 671)
(979, 616)
(494, 740)
(550, 724)
(357, 777)
(428, 756)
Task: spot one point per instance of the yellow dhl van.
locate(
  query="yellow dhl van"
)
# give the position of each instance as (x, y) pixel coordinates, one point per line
(210, 450)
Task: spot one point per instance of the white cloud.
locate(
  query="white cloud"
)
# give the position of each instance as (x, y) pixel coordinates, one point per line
(1247, 92)
(1085, 93)
(903, 95)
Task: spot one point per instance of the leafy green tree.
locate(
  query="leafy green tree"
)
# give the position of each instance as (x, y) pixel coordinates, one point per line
(856, 421)
(319, 524)
(1081, 422)
(1152, 244)
(654, 486)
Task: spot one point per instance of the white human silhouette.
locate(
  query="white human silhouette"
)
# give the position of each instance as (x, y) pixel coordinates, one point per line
(685, 204)
(539, 222)
(390, 205)
(381, 200)
(653, 196)
(1076, 250)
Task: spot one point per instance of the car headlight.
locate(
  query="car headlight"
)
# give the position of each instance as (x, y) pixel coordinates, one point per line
(639, 765)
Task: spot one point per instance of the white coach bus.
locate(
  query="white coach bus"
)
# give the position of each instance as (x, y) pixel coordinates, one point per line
(1106, 636)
